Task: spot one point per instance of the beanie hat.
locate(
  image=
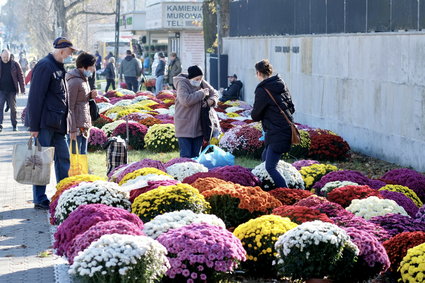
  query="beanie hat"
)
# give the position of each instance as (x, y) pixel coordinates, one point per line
(194, 71)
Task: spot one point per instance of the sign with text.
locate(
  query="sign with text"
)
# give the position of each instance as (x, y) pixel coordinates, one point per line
(175, 16)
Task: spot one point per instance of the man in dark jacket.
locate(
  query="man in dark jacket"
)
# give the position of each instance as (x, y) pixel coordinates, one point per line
(131, 70)
(159, 73)
(232, 92)
(48, 111)
(174, 68)
(11, 81)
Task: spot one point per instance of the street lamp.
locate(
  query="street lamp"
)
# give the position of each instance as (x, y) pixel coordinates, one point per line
(218, 44)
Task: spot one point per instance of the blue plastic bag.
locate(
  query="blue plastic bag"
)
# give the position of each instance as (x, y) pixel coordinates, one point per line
(216, 158)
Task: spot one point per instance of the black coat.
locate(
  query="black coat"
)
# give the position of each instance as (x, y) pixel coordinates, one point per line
(277, 129)
(232, 92)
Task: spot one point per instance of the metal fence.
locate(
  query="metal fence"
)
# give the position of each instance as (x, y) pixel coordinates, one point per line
(281, 17)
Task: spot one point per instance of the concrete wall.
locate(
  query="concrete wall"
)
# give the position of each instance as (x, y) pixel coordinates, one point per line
(368, 88)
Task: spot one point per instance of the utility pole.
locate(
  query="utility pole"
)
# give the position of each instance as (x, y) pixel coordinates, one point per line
(218, 43)
(117, 28)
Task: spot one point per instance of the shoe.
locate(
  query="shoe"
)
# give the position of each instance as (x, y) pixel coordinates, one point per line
(44, 205)
(1, 128)
(7, 108)
(15, 129)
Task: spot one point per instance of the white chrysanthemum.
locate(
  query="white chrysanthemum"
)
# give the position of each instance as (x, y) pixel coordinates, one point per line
(123, 102)
(142, 181)
(185, 169)
(374, 206)
(124, 253)
(87, 193)
(176, 219)
(233, 109)
(104, 106)
(328, 187)
(110, 127)
(291, 175)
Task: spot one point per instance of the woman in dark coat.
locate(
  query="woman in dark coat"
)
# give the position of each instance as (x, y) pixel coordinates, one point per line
(276, 128)
(110, 73)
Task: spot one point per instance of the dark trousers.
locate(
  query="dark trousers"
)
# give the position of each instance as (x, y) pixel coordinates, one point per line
(10, 97)
(110, 82)
(272, 159)
(190, 147)
(132, 83)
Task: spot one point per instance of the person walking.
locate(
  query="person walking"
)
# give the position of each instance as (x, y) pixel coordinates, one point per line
(98, 63)
(159, 73)
(79, 96)
(110, 73)
(192, 92)
(276, 128)
(174, 68)
(23, 62)
(48, 111)
(131, 71)
(11, 82)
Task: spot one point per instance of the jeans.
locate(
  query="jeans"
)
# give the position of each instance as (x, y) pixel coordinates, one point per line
(81, 144)
(10, 97)
(49, 137)
(110, 82)
(272, 158)
(159, 84)
(190, 147)
(132, 83)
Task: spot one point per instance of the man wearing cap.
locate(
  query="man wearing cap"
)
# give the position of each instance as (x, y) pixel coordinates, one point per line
(48, 111)
(232, 92)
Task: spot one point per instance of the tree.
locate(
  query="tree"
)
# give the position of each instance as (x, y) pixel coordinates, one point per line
(209, 10)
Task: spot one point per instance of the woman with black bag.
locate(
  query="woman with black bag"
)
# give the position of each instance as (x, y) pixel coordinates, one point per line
(272, 96)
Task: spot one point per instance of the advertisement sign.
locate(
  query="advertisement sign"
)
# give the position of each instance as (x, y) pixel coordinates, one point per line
(178, 16)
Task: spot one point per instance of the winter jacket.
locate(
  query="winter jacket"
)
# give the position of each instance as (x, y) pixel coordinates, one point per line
(17, 75)
(48, 97)
(109, 71)
(187, 117)
(130, 67)
(232, 92)
(277, 129)
(160, 70)
(79, 96)
(174, 69)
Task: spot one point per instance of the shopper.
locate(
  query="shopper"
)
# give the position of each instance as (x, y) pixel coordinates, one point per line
(174, 68)
(130, 70)
(110, 74)
(159, 73)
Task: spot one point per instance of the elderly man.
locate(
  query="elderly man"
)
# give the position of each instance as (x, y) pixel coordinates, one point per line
(48, 111)
(11, 81)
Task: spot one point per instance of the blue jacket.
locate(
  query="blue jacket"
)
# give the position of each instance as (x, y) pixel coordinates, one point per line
(48, 97)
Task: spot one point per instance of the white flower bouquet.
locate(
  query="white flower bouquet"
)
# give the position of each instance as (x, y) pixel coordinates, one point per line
(176, 219)
(374, 206)
(291, 175)
(88, 193)
(185, 169)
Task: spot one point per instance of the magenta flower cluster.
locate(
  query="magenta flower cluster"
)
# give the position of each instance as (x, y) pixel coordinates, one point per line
(139, 165)
(238, 174)
(201, 175)
(302, 163)
(420, 215)
(409, 178)
(348, 175)
(198, 251)
(360, 223)
(396, 223)
(97, 138)
(84, 217)
(332, 209)
(151, 185)
(312, 201)
(178, 160)
(402, 200)
(83, 240)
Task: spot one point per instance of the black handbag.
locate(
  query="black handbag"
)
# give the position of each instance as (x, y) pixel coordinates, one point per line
(209, 122)
(94, 110)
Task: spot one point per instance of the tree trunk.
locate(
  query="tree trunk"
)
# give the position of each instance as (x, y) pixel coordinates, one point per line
(209, 10)
(61, 17)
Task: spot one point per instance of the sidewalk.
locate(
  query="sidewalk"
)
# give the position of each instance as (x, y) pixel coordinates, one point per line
(25, 233)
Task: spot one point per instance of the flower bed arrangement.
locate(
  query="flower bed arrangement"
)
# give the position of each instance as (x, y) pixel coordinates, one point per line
(372, 259)
(167, 199)
(328, 147)
(243, 141)
(412, 267)
(238, 174)
(161, 138)
(136, 134)
(178, 160)
(236, 204)
(101, 121)
(84, 217)
(64, 183)
(311, 201)
(313, 173)
(109, 128)
(316, 250)
(395, 223)
(209, 183)
(139, 165)
(352, 221)
(409, 178)
(348, 175)
(83, 240)
(201, 252)
(202, 175)
(300, 150)
(150, 185)
(258, 237)
(180, 171)
(300, 214)
(344, 195)
(398, 246)
(328, 187)
(142, 172)
(404, 190)
(121, 258)
(332, 209)
(291, 175)
(374, 206)
(97, 138)
(289, 196)
(171, 220)
(402, 200)
(302, 163)
(88, 193)
(150, 121)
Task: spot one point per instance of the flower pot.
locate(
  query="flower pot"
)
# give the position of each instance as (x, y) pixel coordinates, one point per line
(317, 280)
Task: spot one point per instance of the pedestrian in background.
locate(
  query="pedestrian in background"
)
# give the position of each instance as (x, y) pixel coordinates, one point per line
(174, 68)
(276, 128)
(79, 96)
(233, 91)
(192, 91)
(110, 73)
(48, 111)
(98, 63)
(130, 70)
(159, 73)
(11, 82)
(29, 75)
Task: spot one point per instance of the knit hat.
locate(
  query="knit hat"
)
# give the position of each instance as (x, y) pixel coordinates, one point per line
(62, 42)
(194, 71)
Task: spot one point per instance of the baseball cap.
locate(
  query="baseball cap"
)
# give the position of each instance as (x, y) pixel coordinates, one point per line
(233, 76)
(62, 42)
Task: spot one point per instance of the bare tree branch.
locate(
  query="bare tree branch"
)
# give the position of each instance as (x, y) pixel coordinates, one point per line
(70, 17)
(72, 5)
